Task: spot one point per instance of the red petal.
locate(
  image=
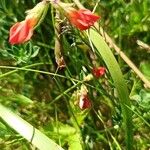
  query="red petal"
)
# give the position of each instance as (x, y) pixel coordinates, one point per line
(14, 30)
(84, 102)
(22, 31)
(98, 72)
(90, 15)
(83, 18)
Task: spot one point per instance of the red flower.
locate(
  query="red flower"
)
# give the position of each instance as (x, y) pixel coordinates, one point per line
(82, 19)
(98, 72)
(22, 31)
(84, 102)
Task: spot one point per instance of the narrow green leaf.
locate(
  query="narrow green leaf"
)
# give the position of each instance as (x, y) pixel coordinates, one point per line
(38, 139)
(119, 83)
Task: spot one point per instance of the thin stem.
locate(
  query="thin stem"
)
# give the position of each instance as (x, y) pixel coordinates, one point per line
(13, 71)
(136, 113)
(99, 115)
(32, 70)
(77, 2)
(96, 6)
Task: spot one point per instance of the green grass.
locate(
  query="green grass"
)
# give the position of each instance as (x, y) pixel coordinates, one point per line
(44, 98)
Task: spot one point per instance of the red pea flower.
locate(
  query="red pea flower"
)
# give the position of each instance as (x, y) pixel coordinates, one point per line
(98, 72)
(82, 19)
(84, 102)
(22, 31)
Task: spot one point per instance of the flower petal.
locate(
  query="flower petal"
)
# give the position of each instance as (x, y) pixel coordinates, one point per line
(21, 31)
(83, 18)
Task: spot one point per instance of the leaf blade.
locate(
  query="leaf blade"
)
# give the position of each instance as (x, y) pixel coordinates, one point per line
(119, 82)
(26, 130)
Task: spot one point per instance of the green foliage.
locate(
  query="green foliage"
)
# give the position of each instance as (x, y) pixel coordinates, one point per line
(145, 67)
(47, 97)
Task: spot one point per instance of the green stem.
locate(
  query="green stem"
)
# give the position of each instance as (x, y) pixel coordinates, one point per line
(17, 69)
(27, 68)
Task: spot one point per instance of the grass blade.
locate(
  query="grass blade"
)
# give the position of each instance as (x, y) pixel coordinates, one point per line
(119, 83)
(38, 139)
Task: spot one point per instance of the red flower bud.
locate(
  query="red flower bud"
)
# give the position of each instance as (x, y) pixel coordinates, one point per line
(84, 102)
(98, 72)
(22, 31)
(82, 19)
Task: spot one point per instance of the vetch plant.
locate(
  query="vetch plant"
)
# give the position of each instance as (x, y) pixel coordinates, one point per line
(69, 105)
(22, 31)
(82, 19)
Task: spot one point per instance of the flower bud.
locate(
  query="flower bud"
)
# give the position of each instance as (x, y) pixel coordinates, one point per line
(23, 31)
(98, 72)
(84, 102)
